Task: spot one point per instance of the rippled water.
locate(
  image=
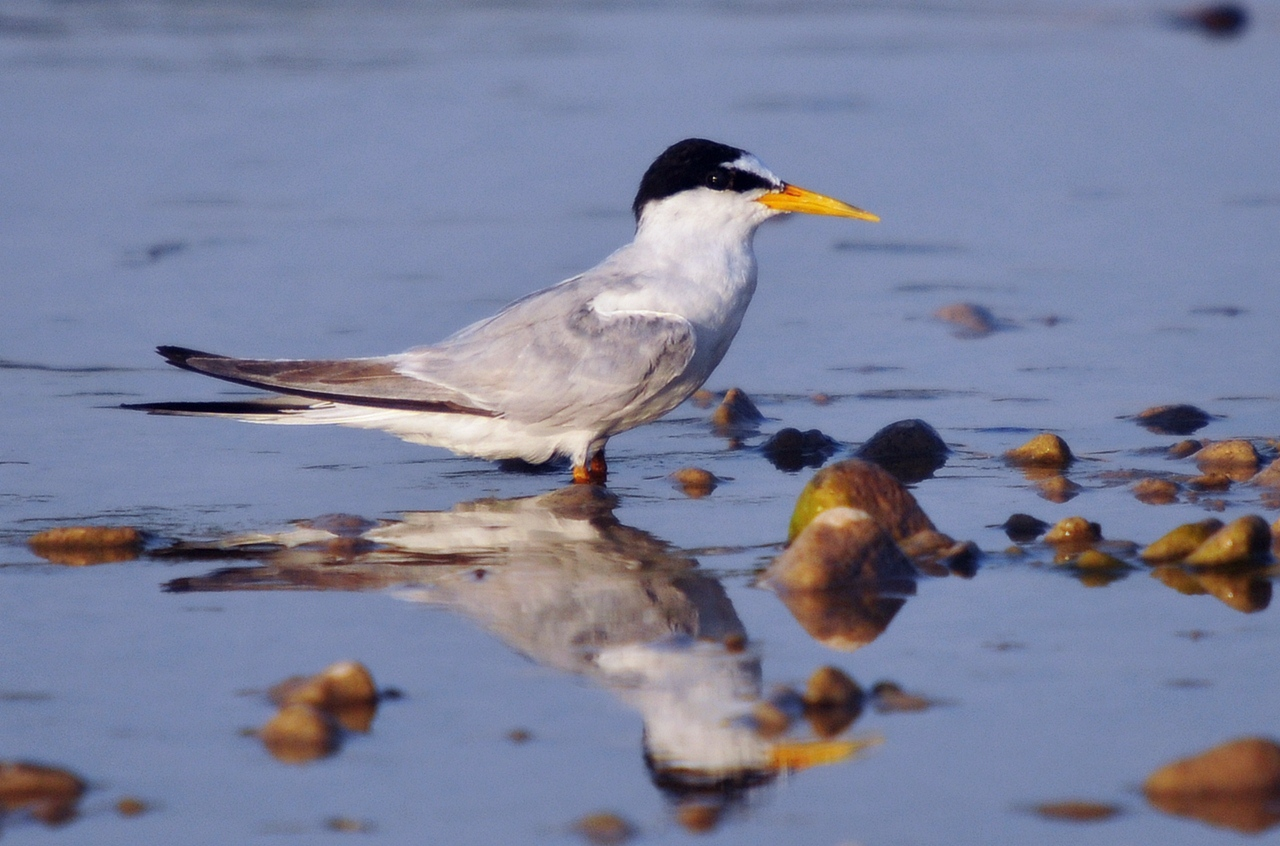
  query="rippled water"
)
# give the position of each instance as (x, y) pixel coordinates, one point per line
(329, 179)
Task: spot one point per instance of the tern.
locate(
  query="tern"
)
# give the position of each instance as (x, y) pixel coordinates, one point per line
(559, 371)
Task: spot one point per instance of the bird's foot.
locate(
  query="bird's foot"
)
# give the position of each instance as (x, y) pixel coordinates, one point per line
(594, 472)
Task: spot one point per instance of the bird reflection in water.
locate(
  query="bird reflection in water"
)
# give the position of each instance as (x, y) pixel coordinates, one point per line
(559, 579)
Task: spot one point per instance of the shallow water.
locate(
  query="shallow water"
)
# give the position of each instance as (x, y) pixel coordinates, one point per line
(328, 180)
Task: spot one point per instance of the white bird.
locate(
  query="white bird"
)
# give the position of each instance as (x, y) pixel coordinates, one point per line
(559, 371)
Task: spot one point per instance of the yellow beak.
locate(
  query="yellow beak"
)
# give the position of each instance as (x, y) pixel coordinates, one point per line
(795, 199)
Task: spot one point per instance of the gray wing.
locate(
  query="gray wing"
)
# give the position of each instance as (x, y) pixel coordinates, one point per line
(551, 356)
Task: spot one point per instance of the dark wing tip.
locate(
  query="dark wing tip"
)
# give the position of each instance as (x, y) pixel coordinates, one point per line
(178, 356)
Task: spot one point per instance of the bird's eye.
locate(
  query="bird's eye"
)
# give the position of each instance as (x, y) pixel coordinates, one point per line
(718, 180)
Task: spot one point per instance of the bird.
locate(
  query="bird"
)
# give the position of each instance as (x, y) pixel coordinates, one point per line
(559, 371)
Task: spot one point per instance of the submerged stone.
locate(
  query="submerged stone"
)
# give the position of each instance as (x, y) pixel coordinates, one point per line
(1173, 419)
(695, 482)
(970, 319)
(83, 545)
(605, 829)
(1044, 450)
(1023, 528)
(1179, 543)
(1236, 458)
(1243, 541)
(790, 449)
(48, 794)
(1074, 530)
(858, 484)
(1077, 810)
(300, 733)
(911, 450)
(1156, 491)
(1249, 765)
(1183, 449)
(736, 414)
(839, 547)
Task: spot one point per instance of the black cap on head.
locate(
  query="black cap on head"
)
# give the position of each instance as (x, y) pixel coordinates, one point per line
(695, 163)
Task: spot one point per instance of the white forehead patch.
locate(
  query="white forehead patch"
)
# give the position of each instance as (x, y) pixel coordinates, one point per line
(750, 164)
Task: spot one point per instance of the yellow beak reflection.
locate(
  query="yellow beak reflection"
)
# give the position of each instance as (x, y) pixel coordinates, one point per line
(795, 199)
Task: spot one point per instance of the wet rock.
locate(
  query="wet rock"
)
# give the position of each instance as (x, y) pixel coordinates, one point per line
(1096, 559)
(911, 450)
(1236, 458)
(1183, 449)
(1219, 20)
(83, 545)
(519, 736)
(695, 482)
(1240, 542)
(1270, 475)
(889, 698)
(1057, 488)
(605, 829)
(344, 691)
(131, 806)
(1173, 419)
(1074, 531)
(1235, 785)
(830, 687)
(840, 547)
(1179, 543)
(1247, 593)
(790, 449)
(1023, 528)
(300, 733)
(936, 554)
(1156, 491)
(47, 794)
(971, 320)
(820, 399)
(1210, 482)
(703, 398)
(845, 620)
(858, 484)
(1077, 810)
(1044, 450)
(832, 701)
(349, 825)
(698, 817)
(736, 415)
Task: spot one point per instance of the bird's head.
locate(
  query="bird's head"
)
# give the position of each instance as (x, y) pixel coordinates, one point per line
(716, 178)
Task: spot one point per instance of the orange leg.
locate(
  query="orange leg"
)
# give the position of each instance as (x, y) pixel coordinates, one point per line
(594, 472)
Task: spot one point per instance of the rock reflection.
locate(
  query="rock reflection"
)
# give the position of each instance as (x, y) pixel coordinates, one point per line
(559, 579)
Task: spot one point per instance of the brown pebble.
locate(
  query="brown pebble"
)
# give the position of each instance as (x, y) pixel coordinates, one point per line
(1173, 419)
(830, 687)
(1184, 449)
(1210, 482)
(1074, 531)
(1246, 765)
(889, 698)
(1094, 559)
(300, 733)
(1156, 491)
(863, 485)
(79, 546)
(1236, 458)
(698, 817)
(1269, 477)
(1077, 810)
(343, 683)
(971, 320)
(1179, 543)
(1044, 450)
(841, 547)
(519, 736)
(48, 794)
(695, 482)
(820, 399)
(349, 825)
(131, 806)
(1057, 488)
(605, 828)
(1246, 540)
(736, 414)
(703, 398)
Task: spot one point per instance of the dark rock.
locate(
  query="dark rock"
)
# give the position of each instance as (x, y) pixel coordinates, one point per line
(911, 450)
(1173, 419)
(791, 450)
